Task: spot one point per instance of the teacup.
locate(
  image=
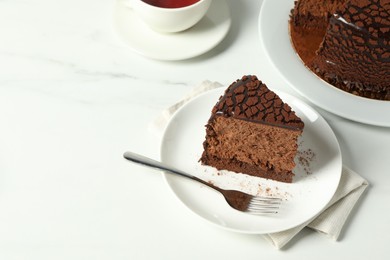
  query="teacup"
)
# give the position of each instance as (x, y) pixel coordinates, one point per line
(169, 16)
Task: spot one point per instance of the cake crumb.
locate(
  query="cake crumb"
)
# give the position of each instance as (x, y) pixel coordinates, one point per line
(305, 157)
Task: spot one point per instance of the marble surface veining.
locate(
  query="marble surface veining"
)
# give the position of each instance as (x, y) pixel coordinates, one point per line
(73, 98)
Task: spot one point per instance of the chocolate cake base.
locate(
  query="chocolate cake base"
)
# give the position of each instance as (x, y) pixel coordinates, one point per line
(250, 169)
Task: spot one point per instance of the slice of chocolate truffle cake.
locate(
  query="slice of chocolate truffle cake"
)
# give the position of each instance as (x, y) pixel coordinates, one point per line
(252, 131)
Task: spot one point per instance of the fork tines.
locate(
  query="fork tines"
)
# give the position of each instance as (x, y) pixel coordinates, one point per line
(264, 205)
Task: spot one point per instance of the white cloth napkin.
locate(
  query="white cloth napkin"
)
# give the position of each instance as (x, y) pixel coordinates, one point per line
(329, 222)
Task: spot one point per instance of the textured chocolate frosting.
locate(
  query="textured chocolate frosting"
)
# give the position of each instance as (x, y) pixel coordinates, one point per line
(355, 52)
(250, 99)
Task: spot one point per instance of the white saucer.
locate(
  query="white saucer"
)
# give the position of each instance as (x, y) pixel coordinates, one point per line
(202, 37)
(274, 35)
(303, 199)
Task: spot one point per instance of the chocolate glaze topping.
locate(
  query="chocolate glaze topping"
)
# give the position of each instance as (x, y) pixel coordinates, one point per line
(249, 99)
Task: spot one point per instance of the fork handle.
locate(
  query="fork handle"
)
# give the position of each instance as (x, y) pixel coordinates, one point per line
(143, 160)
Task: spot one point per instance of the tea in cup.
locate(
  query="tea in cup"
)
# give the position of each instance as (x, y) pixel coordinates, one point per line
(169, 16)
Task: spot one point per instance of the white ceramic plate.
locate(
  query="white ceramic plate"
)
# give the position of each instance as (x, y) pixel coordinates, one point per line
(311, 190)
(274, 35)
(202, 37)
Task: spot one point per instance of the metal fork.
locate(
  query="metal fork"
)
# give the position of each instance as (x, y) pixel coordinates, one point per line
(238, 200)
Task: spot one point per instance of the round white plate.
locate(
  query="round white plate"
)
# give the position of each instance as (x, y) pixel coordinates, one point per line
(317, 173)
(274, 35)
(202, 37)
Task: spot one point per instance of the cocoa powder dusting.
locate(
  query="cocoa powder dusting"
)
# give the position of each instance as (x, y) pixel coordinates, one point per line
(305, 157)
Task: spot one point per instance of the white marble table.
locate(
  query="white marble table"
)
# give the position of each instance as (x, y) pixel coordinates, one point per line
(73, 98)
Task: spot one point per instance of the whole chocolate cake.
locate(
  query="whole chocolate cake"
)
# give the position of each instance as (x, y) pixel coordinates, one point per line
(252, 131)
(346, 43)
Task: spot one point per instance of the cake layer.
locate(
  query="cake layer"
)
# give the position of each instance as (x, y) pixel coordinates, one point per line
(252, 148)
(241, 167)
